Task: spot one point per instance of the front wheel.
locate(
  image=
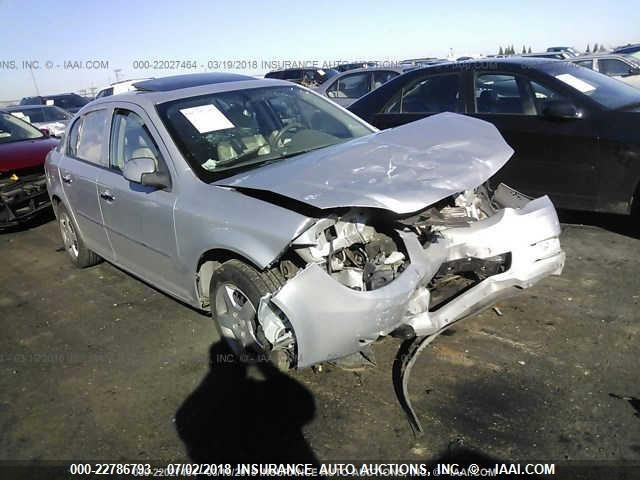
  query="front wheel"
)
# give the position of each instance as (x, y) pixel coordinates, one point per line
(234, 295)
(80, 255)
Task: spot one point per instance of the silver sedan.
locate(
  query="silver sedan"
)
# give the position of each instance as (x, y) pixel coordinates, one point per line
(304, 231)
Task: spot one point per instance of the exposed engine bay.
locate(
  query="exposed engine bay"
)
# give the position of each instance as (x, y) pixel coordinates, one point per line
(365, 253)
(451, 247)
(22, 195)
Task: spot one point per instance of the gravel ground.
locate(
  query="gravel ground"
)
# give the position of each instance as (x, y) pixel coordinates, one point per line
(96, 365)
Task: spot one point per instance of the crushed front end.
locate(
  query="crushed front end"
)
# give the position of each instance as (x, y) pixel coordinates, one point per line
(23, 195)
(360, 274)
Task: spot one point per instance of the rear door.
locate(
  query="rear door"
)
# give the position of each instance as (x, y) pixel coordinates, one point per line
(138, 218)
(552, 156)
(86, 154)
(421, 97)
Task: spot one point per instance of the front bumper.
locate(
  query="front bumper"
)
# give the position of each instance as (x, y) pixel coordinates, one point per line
(331, 320)
(22, 198)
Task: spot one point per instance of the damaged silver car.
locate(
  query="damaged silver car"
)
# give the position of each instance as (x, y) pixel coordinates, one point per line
(307, 233)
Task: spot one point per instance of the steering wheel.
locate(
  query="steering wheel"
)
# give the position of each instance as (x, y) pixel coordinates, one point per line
(286, 129)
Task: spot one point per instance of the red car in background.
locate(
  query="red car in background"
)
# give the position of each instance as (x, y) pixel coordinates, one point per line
(23, 187)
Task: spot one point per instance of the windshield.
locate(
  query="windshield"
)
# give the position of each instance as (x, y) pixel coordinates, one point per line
(41, 114)
(12, 129)
(221, 133)
(30, 115)
(608, 92)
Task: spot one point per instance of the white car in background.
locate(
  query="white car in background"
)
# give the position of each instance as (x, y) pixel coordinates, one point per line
(49, 117)
(119, 87)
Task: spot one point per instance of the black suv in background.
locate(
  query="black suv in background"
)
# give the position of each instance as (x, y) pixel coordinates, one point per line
(71, 102)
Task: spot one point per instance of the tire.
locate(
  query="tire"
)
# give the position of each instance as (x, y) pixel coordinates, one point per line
(80, 255)
(234, 296)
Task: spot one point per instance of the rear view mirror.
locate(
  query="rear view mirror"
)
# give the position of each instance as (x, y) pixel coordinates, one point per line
(560, 109)
(46, 132)
(142, 170)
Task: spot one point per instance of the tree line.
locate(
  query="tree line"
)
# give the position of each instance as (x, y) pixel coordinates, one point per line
(510, 49)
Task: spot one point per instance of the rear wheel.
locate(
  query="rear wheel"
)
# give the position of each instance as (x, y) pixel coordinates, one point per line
(80, 255)
(234, 295)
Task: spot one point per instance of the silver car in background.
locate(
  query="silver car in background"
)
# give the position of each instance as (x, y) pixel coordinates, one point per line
(307, 233)
(348, 86)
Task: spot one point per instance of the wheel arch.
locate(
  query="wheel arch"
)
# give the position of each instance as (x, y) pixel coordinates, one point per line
(208, 262)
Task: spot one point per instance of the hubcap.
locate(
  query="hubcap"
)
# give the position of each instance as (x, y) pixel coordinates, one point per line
(235, 314)
(69, 236)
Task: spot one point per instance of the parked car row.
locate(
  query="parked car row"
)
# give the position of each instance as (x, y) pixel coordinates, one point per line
(622, 67)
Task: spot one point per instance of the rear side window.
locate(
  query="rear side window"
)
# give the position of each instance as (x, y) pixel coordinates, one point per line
(434, 94)
(350, 86)
(585, 63)
(613, 67)
(91, 137)
(381, 77)
(105, 93)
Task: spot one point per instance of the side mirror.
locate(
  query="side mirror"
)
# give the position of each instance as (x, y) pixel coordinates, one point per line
(46, 132)
(560, 109)
(142, 170)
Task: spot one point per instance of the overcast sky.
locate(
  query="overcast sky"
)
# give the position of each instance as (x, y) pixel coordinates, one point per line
(121, 33)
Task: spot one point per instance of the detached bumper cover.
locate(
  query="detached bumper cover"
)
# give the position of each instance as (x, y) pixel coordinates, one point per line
(331, 320)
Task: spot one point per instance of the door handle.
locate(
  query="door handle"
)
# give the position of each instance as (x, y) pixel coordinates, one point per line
(67, 178)
(107, 195)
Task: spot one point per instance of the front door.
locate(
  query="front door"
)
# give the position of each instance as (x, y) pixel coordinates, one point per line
(138, 218)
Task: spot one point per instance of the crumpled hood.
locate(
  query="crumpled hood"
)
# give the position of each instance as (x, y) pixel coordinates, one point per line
(404, 169)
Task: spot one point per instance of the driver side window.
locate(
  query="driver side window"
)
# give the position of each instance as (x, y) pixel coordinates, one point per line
(130, 139)
(543, 95)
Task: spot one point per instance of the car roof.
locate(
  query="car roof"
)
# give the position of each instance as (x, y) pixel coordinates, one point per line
(183, 88)
(599, 55)
(371, 69)
(399, 70)
(177, 82)
(483, 63)
(628, 45)
(17, 108)
(313, 69)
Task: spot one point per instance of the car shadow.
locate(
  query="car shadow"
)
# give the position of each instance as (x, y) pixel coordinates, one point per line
(246, 413)
(621, 224)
